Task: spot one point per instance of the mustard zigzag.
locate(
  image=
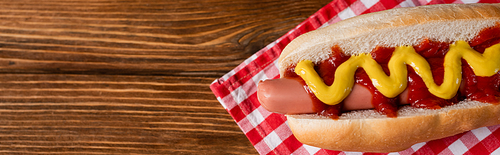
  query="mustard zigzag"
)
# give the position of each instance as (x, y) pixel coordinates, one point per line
(486, 64)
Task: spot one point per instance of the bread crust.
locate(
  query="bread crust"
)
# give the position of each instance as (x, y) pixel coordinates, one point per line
(374, 132)
(383, 134)
(391, 28)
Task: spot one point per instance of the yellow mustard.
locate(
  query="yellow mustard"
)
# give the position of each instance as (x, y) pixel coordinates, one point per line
(486, 64)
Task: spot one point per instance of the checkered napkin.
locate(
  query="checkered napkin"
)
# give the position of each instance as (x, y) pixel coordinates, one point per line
(269, 132)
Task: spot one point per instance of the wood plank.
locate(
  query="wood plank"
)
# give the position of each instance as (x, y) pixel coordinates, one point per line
(113, 113)
(128, 76)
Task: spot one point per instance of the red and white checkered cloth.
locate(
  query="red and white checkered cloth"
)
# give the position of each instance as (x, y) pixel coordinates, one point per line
(269, 132)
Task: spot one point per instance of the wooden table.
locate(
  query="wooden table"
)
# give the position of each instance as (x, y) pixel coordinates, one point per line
(128, 76)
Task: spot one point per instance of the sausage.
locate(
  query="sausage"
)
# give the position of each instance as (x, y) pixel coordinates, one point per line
(287, 96)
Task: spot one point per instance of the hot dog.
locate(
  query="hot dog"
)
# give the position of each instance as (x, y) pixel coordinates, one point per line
(287, 96)
(391, 79)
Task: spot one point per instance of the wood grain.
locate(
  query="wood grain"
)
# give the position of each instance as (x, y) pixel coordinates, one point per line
(128, 76)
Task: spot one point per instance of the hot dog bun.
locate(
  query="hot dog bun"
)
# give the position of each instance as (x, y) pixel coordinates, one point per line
(368, 131)
(391, 28)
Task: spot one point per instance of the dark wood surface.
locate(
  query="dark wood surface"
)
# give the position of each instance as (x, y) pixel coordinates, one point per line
(128, 76)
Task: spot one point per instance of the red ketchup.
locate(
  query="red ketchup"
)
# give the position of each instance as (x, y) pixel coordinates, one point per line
(385, 105)
(326, 70)
(483, 89)
(418, 94)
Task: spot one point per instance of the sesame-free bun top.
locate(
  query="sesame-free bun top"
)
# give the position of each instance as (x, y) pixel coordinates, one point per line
(391, 28)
